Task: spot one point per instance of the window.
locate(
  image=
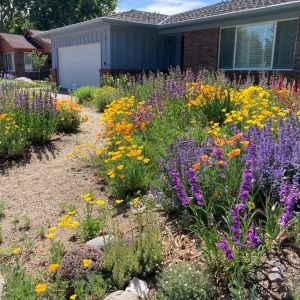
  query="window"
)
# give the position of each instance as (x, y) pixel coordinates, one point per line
(28, 63)
(258, 46)
(9, 62)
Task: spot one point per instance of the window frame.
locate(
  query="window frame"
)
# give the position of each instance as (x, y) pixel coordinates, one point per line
(32, 68)
(13, 61)
(275, 22)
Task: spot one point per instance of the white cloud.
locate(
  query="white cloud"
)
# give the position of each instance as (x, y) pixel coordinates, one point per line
(171, 7)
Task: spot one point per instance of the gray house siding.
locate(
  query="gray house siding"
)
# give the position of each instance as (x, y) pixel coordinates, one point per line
(101, 35)
(134, 48)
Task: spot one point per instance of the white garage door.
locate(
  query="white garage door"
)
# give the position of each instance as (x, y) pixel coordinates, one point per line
(79, 65)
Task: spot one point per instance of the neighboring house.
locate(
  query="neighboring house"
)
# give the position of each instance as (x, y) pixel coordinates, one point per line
(15, 53)
(234, 36)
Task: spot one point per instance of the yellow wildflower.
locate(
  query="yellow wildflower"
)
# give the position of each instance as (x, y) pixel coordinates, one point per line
(120, 167)
(41, 288)
(134, 201)
(118, 201)
(100, 202)
(86, 262)
(16, 251)
(53, 268)
(73, 297)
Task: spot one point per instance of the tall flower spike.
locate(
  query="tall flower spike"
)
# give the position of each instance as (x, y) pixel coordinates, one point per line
(289, 202)
(248, 175)
(195, 188)
(179, 188)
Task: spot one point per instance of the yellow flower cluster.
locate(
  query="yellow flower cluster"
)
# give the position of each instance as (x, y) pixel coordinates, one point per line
(64, 221)
(7, 123)
(68, 105)
(255, 107)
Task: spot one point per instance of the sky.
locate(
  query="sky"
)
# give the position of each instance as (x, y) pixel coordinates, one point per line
(167, 7)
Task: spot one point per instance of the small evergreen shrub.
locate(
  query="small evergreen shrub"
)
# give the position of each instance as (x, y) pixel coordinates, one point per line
(84, 94)
(104, 96)
(183, 281)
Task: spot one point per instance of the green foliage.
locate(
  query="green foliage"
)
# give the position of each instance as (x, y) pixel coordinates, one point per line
(26, 225)
(1, 235)
(90, 227)
(140, 257)
(93, 288)
(296, 289)
(12, 138)
(57, 252)
(19, 285)
(2, 209)
(49, 14)
(103, 96)
(68, 121)
(84, 94)
(184, 281)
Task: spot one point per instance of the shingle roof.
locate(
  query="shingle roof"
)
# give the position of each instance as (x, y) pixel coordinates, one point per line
(139, 17)
(222, 8)
(34, 31)
(17, 41)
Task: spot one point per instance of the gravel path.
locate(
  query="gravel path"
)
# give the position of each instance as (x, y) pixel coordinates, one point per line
(38, 186)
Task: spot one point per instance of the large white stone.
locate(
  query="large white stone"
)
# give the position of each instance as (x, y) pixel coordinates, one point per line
(121, 295)
(99, 242)
(25, 79)
(138, 287)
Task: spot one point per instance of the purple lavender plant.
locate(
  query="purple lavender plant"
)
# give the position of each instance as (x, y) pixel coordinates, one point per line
(223, 246)
(195, 188)
(289, 196)
(179, 189)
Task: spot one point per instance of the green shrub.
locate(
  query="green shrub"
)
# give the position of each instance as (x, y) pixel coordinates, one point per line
(183, 281)
(84, 94)
(94, 287)
(140, 257)
(19, 285)
(12, 138)
(90, 227)
(103, 96)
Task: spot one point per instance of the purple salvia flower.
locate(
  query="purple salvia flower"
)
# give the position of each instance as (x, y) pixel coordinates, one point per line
(248, 175)
(252, 238)
(179, 188)
(223, 246)
(195, 188)
(289, 206)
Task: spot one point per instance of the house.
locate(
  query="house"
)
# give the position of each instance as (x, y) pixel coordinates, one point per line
(15, 53)
(234, 36)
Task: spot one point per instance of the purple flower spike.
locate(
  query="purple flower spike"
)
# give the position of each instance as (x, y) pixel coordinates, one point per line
(289, 200)
(252, 238)
(194, 186)
(179, 188)
(223, 246)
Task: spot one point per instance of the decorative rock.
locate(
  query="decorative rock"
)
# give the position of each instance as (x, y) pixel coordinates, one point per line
(138, 287)
(121, 295)
(72, 263)
(100, 242)
(276, 270)
(25, 79)
(275, 277)
(2, 283)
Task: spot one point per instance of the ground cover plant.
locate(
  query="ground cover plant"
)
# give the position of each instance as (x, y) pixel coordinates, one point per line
(31, 117)
(222, 154)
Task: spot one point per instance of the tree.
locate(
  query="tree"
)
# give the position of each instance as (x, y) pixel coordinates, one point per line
(38, 61)
(14, 15)
(18, 15)
(49, 14)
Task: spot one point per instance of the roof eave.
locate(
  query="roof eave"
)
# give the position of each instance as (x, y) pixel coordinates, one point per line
(273, 8)
(66, 29)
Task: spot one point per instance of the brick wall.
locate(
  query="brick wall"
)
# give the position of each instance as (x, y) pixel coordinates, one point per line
(200, 49)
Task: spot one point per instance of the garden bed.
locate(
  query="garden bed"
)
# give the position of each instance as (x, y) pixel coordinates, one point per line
(199, 193)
